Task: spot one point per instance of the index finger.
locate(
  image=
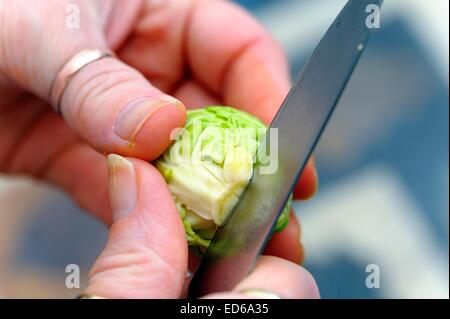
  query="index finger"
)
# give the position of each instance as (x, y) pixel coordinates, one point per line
(232, 55)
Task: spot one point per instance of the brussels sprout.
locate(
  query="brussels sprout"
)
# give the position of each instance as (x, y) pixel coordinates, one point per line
(208, 167)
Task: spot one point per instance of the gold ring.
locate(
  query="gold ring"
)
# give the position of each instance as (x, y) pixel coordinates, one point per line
(70, 69)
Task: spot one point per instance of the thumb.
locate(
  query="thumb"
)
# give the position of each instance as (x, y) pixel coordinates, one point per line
(109, 104)
(146, 253)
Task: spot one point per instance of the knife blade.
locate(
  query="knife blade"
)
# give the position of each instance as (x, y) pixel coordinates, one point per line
(297, 128)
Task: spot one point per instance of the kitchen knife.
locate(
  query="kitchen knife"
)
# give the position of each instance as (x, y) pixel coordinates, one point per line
(296, 128)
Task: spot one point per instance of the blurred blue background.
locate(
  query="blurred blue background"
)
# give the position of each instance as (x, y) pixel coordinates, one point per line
(383, 164)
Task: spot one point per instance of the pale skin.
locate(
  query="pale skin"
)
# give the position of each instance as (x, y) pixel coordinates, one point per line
(201, 53)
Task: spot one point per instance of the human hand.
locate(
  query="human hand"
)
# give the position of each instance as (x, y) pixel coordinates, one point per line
(187, 49)
(146, 252)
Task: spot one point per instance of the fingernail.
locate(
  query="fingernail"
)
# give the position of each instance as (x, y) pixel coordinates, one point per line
(122, 186)
(259, 294)
(134, 115)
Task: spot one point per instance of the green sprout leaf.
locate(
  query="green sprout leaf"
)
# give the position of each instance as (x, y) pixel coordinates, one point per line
(208, 167)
